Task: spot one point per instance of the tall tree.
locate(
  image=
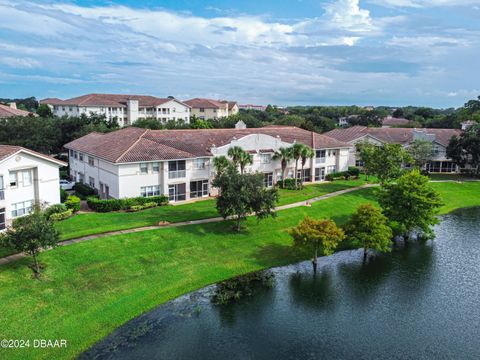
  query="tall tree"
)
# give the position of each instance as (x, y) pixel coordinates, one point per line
(244, 160)
(221, 164)
(243, 194)
(44, 110)
(410, 204)
(284, 155)
(318, 236)
(465, 150)
(235, 152)
(307, 153)
(297, 149)
(368, 228)
(421, 152)
(30, 234)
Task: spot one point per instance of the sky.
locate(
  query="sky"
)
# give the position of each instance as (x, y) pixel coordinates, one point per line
(284, 52)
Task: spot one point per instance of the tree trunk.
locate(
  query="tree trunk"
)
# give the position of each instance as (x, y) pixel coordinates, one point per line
(365, 253)
(35, 263)
(314, 260)
(238, 227)
(296, 170)
(284, 169)
(303, 174)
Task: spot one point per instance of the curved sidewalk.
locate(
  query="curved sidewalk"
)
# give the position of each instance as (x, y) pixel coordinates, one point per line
(14, 257)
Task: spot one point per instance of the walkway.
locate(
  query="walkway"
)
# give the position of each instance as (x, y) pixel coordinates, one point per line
(14, 257)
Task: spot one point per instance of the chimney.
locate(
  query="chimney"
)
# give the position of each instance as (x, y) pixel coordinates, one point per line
(12, 105)
(240, 125)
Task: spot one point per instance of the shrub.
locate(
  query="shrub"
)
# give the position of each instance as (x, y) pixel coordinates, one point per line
(130, 204)
(73, 202)
(84, 189)
(63, 195)
(61, 215)
(290, 184)
(354, 171)
(55, 209)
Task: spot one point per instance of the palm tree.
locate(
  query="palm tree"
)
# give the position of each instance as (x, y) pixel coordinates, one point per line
(284, 155)
(244, 160)
(307, 153)
(235, 152)
(220, 163)
(297, 149)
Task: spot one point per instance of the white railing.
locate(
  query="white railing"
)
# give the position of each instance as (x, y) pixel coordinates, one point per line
(177, 174)
(320, 160)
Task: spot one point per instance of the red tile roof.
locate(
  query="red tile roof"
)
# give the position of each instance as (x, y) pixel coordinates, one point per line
(135, 144)
(114, 100)
(9, 150)
(206, 103)
(392, 121)
(392, 135)
(6, 111)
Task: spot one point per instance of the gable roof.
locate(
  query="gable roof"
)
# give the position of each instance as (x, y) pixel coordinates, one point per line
(7, 111)
(393, 135)
(135, 144)
(9, 150)
(115, 100)
(206, 103)
(393, 121)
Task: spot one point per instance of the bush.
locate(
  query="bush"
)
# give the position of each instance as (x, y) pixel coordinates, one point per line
(73, 202)
(61, 215)
(84, 189)
(290, 184)
(63, 195)
(354, 171)
(55, 209)
(130, 204)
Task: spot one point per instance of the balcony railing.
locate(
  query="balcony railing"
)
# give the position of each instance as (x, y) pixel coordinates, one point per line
(319, 160)
(177, 174)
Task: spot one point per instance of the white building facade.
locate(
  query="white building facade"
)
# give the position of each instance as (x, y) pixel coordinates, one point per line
(179, 163)
(126, 109)
(27, 178)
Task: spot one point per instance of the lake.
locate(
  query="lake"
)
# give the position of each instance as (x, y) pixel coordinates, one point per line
(421, 301)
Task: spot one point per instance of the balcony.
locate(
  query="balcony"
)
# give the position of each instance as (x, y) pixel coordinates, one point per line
(177, 174)
(320, 160)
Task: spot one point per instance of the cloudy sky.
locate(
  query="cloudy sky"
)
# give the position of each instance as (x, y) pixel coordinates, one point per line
(372, 52)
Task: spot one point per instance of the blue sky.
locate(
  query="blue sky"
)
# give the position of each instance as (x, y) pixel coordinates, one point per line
(338, 52)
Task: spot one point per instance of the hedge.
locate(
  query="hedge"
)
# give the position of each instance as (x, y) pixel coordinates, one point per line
(61, 215)
(84, 189)
(351, 172)
(73, 202)
(108, 205)
(55, 209)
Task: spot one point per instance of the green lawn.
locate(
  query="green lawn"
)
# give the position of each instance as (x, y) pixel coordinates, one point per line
(451, 177)
(90, 288)
(96, 223)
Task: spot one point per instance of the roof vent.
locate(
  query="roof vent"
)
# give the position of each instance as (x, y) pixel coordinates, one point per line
(240, 125)
(12, 105)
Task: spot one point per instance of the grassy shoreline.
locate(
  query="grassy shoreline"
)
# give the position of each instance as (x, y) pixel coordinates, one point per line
(91, 288)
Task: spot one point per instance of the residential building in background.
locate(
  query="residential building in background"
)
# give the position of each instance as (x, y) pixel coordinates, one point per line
(212, 109)
(440, 139)
(11, 110)
(125, 108)
(252, 107)
(26, 178)
(134, 162)
(391, 121)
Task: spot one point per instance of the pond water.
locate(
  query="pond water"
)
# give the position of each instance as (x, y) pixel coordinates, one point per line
(420, 302)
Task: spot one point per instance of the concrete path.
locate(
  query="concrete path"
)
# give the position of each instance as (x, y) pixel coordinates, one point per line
(14, 257)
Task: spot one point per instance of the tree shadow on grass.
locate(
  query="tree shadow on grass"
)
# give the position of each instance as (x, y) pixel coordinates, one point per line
(273, 254)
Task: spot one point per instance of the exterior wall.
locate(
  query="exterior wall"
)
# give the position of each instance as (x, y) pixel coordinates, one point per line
(209, 113)
(127, 115)
(44, 189)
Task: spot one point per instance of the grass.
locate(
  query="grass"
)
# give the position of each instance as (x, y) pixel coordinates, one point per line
(96, 223)
(450, 177)
(90, 288)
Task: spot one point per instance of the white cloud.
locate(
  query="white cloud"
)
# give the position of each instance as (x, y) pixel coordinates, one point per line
(425, 3)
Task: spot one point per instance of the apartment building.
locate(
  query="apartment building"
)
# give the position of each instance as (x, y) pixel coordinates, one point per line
(440, 139)
(125, 108)
(212, 109)
(134, 162)
(10, 110)
(26, 178)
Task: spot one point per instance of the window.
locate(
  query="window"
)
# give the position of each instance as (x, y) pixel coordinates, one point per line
(306, 175)
(177, 192)
(2, 189)
(75, 155)
(202, 110)
(199, 164)
(22, 208)
(91, 161)
(320, 156)
(13, 179)
(265, 158)
(80, 156)
(148, 191)
(198, 188)
(331, 169)
(2, 218)
(27, 177)
(176, 169)
(359, 163)
(91, 181)
(71, 153)
(143, 168)
(319, 174)
(268, 179)
(156, 167)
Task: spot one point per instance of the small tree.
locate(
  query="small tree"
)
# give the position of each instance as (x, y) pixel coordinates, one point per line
(243, 194)
(44, 110)
(220, 163)
(465, 149)
(365, 152)
(368, 228)
(317, 235)
(421, 152)
(410, 204)
(307, 153)
(284, 155)
(30, 234)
